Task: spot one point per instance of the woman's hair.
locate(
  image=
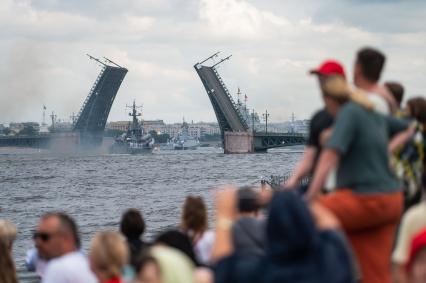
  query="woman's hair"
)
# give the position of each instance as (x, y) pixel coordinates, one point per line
(144, 261)
(132, 224)
(194, 215)
(178, 240)
(108, 254)
(7, 267)
(8, 232)
(417, 107)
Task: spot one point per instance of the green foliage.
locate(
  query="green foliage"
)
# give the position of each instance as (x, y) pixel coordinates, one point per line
(6, 131)
(28, 131)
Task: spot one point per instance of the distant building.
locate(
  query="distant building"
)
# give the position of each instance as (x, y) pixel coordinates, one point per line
(196, 130)
(118, 126)
(153, 125)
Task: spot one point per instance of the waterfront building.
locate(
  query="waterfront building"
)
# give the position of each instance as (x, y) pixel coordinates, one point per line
(122, 126)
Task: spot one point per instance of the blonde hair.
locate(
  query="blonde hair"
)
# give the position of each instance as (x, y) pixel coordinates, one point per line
(8, 232)
(109, 254)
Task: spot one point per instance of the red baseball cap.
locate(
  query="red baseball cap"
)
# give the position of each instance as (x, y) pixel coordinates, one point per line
(329, 67)
(418, 243)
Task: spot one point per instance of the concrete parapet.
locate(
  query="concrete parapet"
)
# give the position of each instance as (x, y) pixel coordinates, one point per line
(238, 142)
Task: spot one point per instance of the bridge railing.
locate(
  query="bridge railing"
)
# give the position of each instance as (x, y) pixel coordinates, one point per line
(275, 181)
(90, 94)
(234, 105)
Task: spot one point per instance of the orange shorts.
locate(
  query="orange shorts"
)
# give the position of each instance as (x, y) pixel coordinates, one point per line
(370, 222)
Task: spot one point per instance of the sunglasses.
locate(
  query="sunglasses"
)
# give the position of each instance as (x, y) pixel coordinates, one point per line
(42, 236)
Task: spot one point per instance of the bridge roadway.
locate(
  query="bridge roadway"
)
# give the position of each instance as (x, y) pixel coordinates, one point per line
(262, 141)
(41, 141)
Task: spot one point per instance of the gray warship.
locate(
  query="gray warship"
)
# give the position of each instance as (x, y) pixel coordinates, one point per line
(135, 140)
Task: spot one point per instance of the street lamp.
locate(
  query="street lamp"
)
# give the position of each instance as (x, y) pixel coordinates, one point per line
(265, 117)
(252, 121)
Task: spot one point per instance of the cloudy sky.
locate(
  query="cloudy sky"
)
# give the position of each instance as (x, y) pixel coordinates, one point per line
(274, 43)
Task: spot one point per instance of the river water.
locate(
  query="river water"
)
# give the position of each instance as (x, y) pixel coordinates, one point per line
(95, 189)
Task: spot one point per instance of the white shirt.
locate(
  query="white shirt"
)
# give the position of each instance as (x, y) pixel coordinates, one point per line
(204, 247)
(412, 222)
(380, 104)
(69, 268)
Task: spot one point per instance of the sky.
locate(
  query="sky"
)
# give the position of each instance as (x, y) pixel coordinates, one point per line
(43, 47)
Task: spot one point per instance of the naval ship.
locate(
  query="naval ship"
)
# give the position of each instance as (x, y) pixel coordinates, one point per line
(135, 140)
(184, 140)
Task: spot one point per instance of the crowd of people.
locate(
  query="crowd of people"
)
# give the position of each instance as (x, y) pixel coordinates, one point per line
(362, 218)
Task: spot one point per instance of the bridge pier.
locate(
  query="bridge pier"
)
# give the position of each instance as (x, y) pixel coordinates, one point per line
(238, 142)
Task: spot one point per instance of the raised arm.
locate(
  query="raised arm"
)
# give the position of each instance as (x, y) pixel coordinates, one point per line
(400, 139)
(303, 167)
(226, 201)
(328, 160)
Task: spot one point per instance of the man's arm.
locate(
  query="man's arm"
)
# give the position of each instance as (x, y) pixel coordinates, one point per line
(226, 199)
(303, 167)
(328, 160)
(400, 139)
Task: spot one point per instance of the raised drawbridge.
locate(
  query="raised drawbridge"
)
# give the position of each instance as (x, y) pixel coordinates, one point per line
(91, 119)
(237, 135)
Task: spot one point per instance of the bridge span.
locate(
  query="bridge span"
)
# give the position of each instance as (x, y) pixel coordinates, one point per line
(237, 137)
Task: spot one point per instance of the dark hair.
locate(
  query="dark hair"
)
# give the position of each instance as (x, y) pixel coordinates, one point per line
(247, 199)
(397, 91)
(371, 62)
(417, 107)
(179, 241)
(132, 224)
(67, 224)
(145, 260)
(194, 215)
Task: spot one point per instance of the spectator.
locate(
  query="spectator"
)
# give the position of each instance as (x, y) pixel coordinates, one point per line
(368, 68)
(321, 121)
(248, 231)
(178, 240)
(368, 203)
(408, 161)
(397, 91)
(297, 249)
(132, 226)
(416, 265)
(148, 270)
(57, 240)
(175, 266)
(194, 223)
(413, 221)
(415, 108)
(8, 233)
(108, 256)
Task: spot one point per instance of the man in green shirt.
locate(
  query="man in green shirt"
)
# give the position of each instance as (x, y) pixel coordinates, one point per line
(368, 200)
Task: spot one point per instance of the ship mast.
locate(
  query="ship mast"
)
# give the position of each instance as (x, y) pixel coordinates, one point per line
(134, 114)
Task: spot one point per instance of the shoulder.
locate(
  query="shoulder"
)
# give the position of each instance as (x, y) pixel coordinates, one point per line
(380, 104)
(321, 115)
(351, 109)
(66, 267)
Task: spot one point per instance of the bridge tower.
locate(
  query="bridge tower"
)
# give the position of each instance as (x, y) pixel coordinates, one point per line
(91, 119)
